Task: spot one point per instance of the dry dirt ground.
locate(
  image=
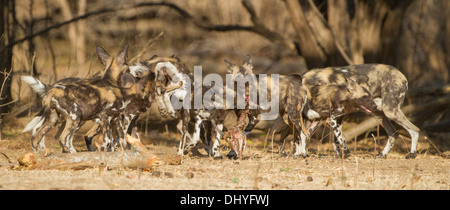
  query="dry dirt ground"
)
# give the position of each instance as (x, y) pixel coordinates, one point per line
(260, 169)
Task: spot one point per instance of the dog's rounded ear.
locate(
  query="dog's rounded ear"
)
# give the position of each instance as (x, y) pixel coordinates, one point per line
(103, 56)
(127, 80)
(123, 55)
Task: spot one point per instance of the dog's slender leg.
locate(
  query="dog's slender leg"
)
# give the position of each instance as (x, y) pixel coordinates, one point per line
(208, 131)
(180, 129)
(413, 132)
(133, 129)
(300, 150)
(123, 128)
(42, 143)
(398, 117)
(49, 122)
(64, 138)
(310, 129)
(196, 134)
(216, 143)
(75, 126)
(91, 134)
(392, 135)
(106, 133)
(339, 143)
(285, 131)
(60, 130)
(185, 136)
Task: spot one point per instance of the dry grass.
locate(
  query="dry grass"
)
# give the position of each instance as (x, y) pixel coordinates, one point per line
(259, 169)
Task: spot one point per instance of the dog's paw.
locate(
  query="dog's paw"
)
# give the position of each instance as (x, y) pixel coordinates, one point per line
(232, 155)
(283, 154)
(411, 155)
(303, 156)
(346, 154)
(218, 158)
(381, 156)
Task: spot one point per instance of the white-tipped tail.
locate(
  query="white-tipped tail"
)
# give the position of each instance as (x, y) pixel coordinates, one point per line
(34, 124)
(38, 87)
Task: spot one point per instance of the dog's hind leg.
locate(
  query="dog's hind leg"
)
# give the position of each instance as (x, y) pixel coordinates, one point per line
(91, 134)
(182, 126)
(66, 137)
(50, 120)
(398, 117)
(105, 127)
(284, 133)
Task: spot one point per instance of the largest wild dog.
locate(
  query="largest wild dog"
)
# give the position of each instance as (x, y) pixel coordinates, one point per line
(388, 87)
(303, 102)
(75, 101)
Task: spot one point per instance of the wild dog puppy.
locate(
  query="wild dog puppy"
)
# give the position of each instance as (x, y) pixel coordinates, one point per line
(291, 96)
(164, 69)
(211, 121)
(200, 117)
(41, 89)
(78, 100)
(388, 87)
(207, 123)
(138, 90)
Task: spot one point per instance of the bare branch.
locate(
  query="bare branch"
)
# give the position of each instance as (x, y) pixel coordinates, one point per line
(257, 28)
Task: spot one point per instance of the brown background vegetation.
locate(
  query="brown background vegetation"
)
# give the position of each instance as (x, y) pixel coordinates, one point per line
(283, 36)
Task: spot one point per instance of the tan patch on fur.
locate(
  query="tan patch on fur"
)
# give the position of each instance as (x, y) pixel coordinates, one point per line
(92, 101)
(53, 93)
(107, 95)
(324, 93)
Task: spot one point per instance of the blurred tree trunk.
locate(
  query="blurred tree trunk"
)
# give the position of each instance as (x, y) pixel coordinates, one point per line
(7, 9)
(76, 31)
(339, 20)
(353, 33)
(309, 46)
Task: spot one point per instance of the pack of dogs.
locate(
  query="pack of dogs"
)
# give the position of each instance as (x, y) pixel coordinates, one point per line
(114, 101)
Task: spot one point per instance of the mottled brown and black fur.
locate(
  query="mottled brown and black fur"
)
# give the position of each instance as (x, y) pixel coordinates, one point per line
(75, 101)
(388, 87)
(305, 97)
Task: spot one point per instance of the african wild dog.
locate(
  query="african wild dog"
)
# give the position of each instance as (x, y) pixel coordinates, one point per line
(164, 69)
(74, 101)
(333, 101)
(208, 123)
(166, 72)
(301, 97)
(388, 87)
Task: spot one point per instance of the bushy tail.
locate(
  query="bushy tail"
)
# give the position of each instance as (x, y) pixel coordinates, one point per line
(35, 123)
(38, 87)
